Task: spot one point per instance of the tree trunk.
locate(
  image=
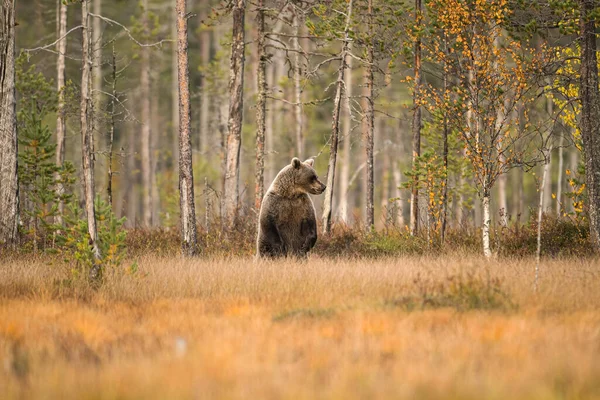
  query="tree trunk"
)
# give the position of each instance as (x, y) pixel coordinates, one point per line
(385, 175)
(87, 142)
(398, 180)
(145, 135)
(61, 49)
(445, 155)
(548, 160)
(559, 178)
(335, 127)
(187, 207)
(502, 198)
(111, 135)
(574, 165)
(297, 88)
(236, 108)
(174, 91)
(590, 115)
(541, 204)
(9, 184)
(205, 98)
(416, 128)
(97, 56)
(261, 104)
(346, 148)
(369, 127)
(486, 222)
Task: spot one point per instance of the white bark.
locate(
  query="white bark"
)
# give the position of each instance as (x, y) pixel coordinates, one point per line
(559, 179)
(343, 211)
(236, 107)
(146, 132)
(87, 141)
(538, 252)
(186, 174)
(486, 224)
(298, 109)
(335, 126)
(61, 48)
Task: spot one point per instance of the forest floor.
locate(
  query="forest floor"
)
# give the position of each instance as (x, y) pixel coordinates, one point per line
(453, 326)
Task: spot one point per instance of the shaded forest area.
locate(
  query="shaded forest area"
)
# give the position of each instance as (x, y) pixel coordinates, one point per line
(424, 117)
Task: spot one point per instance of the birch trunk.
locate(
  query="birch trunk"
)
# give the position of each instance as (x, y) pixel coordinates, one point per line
(236, 108)
(87, 142)
(297, 88)
(548, 161)
(574, 165)
(205, 96)
(416, 128)
(502, 199)
(260, 108)
(559, 178)
(370, 122)
(335, 127)
(111, 136)
(346, 148)
(97, 56)
(541, 204)
(487, 252)
(145, 134)
(174, 91)
(61, 49)
(9, 185)
(189, 242)
(398, 183)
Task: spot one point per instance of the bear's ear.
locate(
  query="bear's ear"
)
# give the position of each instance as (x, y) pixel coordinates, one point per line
(296, 163)
(310, 162)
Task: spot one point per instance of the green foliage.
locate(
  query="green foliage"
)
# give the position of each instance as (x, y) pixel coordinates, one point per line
(40, 178)
(74, 240)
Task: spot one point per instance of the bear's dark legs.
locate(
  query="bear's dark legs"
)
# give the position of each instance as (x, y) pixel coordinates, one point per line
(308, 230)
(270, 243)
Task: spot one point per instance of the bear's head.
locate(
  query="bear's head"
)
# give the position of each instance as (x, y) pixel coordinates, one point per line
(305, 178)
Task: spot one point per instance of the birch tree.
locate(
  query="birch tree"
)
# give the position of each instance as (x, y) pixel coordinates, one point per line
(236, 108)
(369, 126)
(61, 49)
(497, 82)
(335, 123)
(261, 106)
(146, 131)
(186, 173)
(9, 186)
(87, 141)
(416, 123)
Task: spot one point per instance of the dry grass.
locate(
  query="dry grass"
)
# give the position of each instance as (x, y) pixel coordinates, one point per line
(422, 327)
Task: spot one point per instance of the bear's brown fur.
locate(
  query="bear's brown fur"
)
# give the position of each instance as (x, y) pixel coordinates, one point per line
(287, 225)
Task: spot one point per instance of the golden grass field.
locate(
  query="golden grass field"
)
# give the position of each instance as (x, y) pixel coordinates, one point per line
(455, 327)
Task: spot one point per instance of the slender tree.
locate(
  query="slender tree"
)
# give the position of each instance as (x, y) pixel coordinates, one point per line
(346, 144)
(261, 105)
(236, 108)
(298, 111)
(87, 141)
(590, 113)
(9, 185)
(369, 126)
(416, 125)
(186, 173)
(146, 131)
(335, 124)
(61, 49)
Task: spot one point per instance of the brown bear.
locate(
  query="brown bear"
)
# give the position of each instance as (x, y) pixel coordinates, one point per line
(287, 224)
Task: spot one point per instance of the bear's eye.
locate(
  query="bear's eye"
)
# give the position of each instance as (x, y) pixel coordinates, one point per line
(313, 178)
